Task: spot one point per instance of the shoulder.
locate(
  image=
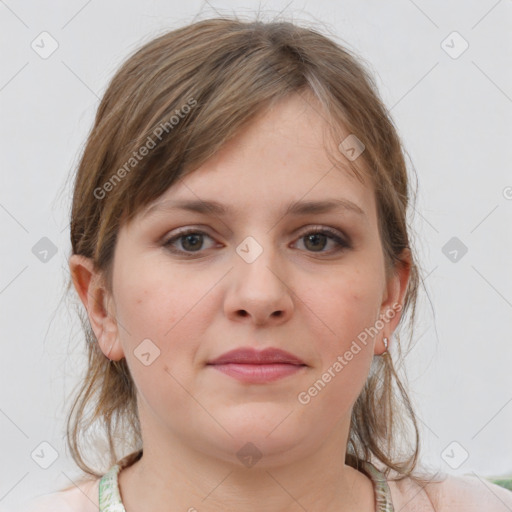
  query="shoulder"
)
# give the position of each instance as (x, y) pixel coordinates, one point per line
(449, 493)
(80, 498)
(470, 493)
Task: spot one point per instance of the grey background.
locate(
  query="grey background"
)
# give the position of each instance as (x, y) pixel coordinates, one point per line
(453, 113)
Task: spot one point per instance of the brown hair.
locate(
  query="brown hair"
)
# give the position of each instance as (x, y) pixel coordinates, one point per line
(214, 76)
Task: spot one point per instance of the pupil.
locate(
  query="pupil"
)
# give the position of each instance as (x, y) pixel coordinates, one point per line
(187, 239)
(315, 239)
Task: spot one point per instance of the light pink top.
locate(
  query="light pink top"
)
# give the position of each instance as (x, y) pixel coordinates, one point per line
(453, 494)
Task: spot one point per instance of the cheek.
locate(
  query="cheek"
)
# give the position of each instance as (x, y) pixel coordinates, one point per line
(345, 357)
(344, 306)
(159, 326)
(155, 301)
(160, 313)
(342, 313)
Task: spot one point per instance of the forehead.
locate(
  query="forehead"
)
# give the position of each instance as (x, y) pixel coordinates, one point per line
(281, 157)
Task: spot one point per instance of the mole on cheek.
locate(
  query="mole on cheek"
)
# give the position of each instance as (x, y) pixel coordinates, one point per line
(140, 299)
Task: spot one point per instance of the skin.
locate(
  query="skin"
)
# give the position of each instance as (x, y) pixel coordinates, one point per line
(311, 300)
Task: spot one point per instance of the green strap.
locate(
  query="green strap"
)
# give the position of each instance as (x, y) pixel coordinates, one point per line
(380, 484)
(109, 497)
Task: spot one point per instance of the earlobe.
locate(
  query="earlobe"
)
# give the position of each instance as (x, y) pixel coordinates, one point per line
(392, 305)
(95, 297)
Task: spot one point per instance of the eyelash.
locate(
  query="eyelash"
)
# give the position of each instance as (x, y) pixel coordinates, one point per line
(331, 234)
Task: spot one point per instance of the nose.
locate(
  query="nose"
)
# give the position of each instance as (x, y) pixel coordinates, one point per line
(258, 292)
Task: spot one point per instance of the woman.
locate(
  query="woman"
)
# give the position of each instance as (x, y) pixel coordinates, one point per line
(240, 245)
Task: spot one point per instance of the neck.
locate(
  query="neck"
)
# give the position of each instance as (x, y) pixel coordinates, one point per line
(176, 476)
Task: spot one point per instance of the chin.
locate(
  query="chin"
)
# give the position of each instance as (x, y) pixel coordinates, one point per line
(262, 436)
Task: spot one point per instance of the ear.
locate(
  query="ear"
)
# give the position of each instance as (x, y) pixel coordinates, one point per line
(393, 299)
(96, 299)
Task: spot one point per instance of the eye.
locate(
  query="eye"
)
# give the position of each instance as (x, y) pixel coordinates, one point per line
(191, 241)
(315, 240)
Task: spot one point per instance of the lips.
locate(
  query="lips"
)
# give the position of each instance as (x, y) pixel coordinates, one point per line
(250, 366)
(257, 357)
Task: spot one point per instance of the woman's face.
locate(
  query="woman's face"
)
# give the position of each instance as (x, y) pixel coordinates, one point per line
(254, 277)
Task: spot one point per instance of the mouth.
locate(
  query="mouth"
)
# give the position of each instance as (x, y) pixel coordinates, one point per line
(253, 356)
(252, 366)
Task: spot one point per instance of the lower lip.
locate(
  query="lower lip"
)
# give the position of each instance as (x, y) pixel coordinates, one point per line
(258, 373)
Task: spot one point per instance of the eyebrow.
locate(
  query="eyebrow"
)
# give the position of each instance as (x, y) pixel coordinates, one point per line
(214, 207)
